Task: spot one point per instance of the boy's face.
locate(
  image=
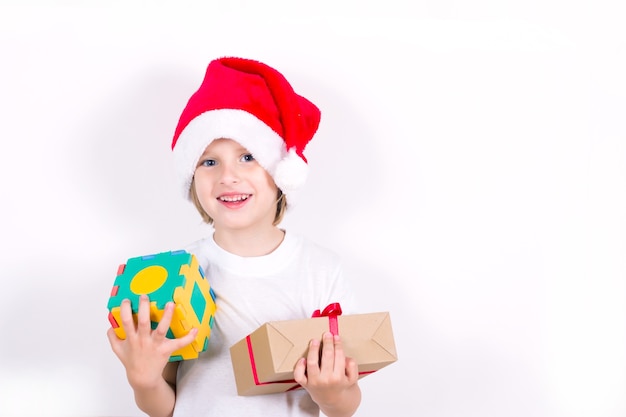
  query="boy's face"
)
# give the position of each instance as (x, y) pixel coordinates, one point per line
(233, 189)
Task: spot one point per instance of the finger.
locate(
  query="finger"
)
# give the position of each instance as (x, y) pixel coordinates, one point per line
(352, 370)
(328, 353)
(126, 315)
(114, 341)
(143, 316)
(339, 355)
(166, 319)
(299, 373)
(313, 359)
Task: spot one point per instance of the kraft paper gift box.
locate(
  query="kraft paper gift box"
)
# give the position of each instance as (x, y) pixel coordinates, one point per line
(263, 362)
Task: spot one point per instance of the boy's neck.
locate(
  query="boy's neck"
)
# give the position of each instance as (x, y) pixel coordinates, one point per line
(248, 242)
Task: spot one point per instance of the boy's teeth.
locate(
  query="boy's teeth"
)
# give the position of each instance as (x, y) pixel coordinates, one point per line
(234, 198)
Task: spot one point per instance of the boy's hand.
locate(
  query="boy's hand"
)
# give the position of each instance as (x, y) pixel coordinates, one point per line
(329, 377)
(145, 352)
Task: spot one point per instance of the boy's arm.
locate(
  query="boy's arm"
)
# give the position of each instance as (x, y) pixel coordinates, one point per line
(158, 400)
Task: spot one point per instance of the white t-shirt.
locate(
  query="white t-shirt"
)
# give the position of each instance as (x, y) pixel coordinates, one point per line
(296, 279)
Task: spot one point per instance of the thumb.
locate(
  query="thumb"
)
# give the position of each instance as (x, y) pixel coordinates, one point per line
(187, 339)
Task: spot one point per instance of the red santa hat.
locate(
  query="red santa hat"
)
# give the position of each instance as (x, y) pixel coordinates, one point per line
(253, 104)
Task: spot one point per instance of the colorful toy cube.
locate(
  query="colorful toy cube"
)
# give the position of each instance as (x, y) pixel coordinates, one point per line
(164, 277)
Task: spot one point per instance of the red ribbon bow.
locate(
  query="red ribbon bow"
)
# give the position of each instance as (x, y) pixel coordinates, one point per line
(331, 311)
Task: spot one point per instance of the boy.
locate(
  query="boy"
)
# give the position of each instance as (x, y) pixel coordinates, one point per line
(239, 150)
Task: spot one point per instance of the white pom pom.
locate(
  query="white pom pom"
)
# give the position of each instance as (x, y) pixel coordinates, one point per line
(291, 172)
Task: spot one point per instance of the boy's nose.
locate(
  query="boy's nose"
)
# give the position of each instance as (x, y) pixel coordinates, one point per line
(229, 174)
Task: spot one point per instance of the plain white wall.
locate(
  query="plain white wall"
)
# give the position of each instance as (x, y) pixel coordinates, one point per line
(470, 168)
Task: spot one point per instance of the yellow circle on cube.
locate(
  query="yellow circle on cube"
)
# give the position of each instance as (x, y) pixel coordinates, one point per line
(148, 279)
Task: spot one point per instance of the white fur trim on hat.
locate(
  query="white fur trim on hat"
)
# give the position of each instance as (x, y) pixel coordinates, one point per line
(267, 147)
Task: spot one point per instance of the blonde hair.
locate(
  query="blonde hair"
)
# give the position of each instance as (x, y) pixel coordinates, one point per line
(281, 205)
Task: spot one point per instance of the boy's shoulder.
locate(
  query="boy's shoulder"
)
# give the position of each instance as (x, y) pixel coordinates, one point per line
(315, 248)
(196, 245)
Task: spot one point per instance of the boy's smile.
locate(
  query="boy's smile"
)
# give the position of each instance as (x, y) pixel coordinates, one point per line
(233, 200)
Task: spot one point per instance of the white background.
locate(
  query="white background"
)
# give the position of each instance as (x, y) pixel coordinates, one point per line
(470, 168)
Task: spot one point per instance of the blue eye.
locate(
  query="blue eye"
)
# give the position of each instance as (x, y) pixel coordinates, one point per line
(208, 163)
(247, 157)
